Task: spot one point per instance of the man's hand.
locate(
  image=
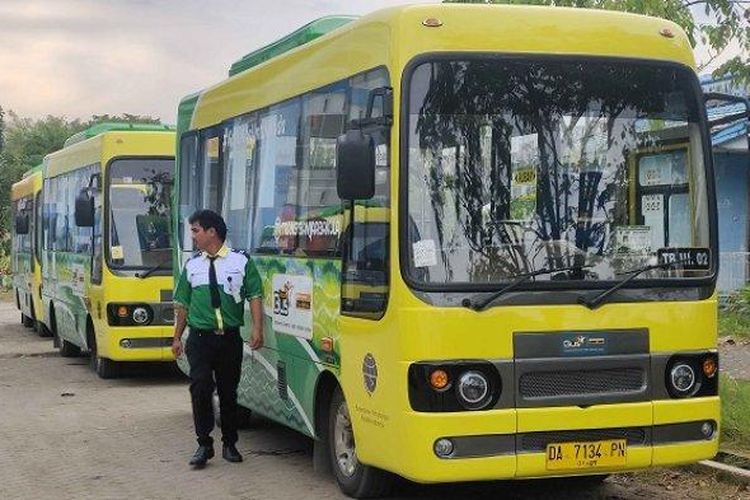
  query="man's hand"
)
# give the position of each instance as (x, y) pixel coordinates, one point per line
(177, 347)
(256, 339)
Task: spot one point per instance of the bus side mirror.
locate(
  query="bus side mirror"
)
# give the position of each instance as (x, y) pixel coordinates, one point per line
(84, 214)
(22, 224)
(355, 162)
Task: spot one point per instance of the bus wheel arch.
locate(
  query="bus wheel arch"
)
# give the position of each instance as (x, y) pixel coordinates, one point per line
(104, 367)
(354, 478)
(67, 349)
(324, 389)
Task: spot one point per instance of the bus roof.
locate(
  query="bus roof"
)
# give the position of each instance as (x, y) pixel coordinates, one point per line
(101, 128)
(149, 141)
(395, 36)
(303, 35)
(30, 183)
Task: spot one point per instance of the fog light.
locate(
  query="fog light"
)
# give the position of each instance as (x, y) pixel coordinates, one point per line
(682, 377)
(443, 447)
(126, 343)
(707, 429)
(140, 315)
(473, 388)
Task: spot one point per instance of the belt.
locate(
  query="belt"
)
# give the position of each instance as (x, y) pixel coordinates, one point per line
(231, 330)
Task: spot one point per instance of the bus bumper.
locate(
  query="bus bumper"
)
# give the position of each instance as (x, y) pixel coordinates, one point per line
(509, 444)
(137, 343)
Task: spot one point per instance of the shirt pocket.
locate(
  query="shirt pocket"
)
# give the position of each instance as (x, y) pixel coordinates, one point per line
(232, 283)
(199, 278)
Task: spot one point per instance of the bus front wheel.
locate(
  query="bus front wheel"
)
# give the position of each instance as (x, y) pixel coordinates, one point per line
(104, 367)
(353, 477)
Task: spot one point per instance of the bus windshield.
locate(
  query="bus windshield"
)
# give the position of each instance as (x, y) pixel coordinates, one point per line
(516, 166)
(139, 201)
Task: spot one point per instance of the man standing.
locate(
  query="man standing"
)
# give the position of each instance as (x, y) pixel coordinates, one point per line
(209, 298)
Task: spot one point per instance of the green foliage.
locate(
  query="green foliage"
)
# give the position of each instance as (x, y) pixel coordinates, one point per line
(734, 318)
(720, 23)
(735, 413)
(24, 142)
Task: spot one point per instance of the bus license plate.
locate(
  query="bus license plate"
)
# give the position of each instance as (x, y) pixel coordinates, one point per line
(587, 454)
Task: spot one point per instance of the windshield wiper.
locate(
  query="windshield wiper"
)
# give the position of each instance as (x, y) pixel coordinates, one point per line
(634, 273)
(148, 272)
(520, 279)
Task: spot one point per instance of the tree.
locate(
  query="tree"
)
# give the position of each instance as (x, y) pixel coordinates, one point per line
(726, 21)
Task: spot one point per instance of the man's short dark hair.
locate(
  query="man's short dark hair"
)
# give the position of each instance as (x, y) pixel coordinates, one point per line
(208, 219)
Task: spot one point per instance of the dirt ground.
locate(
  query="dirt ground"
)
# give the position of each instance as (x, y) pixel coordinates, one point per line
(65, 434)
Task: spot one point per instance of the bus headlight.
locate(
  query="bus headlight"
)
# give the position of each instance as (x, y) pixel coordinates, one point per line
(140, 315)
(682, 378)
(473, 389)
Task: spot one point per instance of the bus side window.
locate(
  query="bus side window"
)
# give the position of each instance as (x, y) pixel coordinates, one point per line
(213, 170)
(190, 188)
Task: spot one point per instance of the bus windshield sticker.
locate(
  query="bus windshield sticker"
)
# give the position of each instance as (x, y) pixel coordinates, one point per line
(293, 305)
(691, 259)
(116, 253)
(632, 239)
(523, 195)
(424, 253)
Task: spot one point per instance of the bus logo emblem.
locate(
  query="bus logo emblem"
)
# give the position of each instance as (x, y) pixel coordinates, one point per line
(370, 373)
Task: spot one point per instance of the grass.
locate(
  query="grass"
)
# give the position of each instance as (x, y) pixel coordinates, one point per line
(734, 318)
(734, 324)
(735, 414)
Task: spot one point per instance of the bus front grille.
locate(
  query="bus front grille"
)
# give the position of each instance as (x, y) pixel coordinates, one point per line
(571, 383)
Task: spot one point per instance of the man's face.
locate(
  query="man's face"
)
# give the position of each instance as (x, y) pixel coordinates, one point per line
(203, 238)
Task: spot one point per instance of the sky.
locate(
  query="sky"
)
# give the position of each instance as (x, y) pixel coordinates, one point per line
(76, 58)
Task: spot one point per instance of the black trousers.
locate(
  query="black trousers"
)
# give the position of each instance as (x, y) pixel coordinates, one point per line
(214, 357)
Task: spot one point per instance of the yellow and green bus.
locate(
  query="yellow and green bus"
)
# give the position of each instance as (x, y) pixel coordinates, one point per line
(106, 252)
(487, 238)
(25, 256)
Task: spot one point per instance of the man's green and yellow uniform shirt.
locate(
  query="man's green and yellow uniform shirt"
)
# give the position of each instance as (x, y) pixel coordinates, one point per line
(237, 278)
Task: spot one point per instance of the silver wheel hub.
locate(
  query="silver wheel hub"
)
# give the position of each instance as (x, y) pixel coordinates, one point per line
(343, 442)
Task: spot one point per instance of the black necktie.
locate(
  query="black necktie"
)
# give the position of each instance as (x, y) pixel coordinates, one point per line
(213, 284)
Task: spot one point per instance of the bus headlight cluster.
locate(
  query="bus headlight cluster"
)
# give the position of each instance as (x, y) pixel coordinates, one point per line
(689, 375)
(130, 314)
(140, 315)
(682, 377)
(450, 386)
(473, 389)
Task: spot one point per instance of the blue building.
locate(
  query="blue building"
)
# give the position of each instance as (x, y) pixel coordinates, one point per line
(732, 168)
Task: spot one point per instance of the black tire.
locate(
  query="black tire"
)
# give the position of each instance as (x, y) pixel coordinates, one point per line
(26, 321)
(105, 368)
(67, 349)
(42, 330)
(362, 481)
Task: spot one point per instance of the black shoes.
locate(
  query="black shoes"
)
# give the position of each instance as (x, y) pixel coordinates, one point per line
(202, 454)
(230, 453)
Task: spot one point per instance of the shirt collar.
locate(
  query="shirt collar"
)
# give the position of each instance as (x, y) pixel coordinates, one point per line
(223, 252)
